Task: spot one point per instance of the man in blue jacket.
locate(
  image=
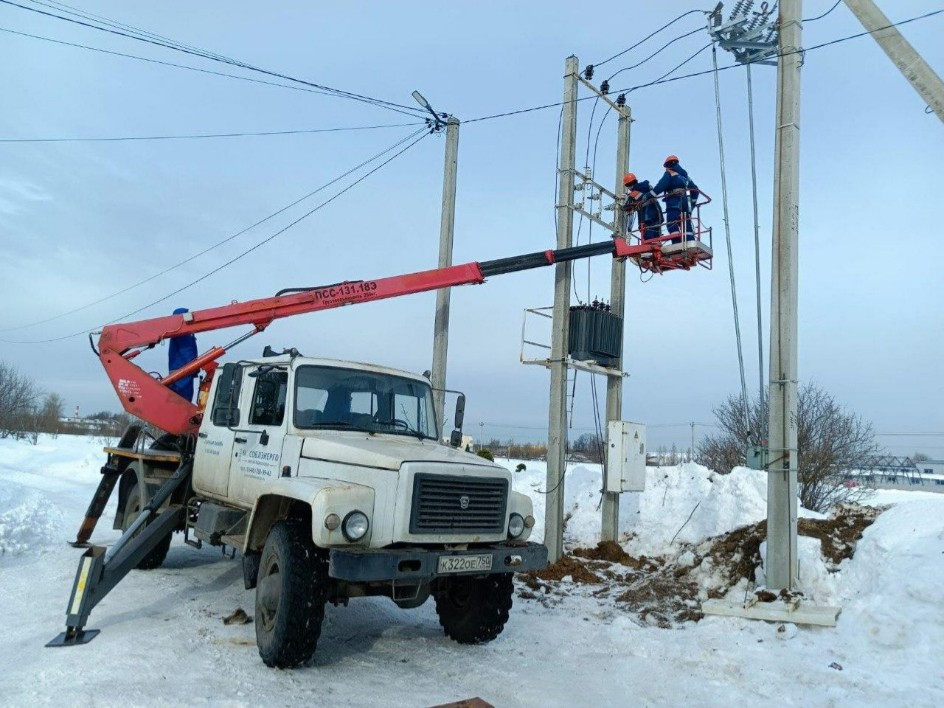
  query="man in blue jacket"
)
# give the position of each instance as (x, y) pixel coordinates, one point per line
(641, 200)
(181, 351)
(680, 193)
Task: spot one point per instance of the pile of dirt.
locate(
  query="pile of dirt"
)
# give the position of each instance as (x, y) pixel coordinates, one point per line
(668, 590)
(606, 551)
(838, 534)
(578, 570)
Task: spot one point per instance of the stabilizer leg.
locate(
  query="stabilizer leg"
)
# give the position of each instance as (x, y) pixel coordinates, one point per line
(101, 569)
(110, 476)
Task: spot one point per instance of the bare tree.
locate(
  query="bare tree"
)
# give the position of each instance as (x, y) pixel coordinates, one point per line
(18, 396)
(50, 413)
(590, 445)
(830, 440)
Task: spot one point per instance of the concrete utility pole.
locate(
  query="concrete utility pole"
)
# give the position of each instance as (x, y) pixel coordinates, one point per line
(557, 413)
(614, 384)
(782, 471)
(446, 234)
(909, 62)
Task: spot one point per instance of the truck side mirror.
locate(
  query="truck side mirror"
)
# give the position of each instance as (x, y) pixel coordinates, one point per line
(455, 439)
(460, 411)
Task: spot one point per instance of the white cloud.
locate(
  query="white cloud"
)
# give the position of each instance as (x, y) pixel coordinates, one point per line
(14, 194)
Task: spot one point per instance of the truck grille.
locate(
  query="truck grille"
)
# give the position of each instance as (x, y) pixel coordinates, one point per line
(443, 504)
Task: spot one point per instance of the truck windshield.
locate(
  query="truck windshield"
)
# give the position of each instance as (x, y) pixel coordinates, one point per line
(333, 397)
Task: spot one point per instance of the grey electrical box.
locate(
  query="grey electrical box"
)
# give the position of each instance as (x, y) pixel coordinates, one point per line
(757, 457)
(626, 457)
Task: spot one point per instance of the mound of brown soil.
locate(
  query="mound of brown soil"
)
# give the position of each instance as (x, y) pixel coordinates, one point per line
(665, 591)
(606, 551)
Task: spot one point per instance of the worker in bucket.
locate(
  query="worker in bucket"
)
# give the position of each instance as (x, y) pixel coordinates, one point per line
(641, 201)
(180, 352)
(681, 193)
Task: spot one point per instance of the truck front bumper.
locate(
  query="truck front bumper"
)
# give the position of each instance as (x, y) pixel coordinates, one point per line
(412, 564)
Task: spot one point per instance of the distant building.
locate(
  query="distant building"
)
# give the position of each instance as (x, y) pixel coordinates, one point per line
(931, 467)
(890, 472)
(82, 425)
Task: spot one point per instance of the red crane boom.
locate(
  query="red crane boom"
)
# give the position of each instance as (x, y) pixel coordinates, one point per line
(151, 400)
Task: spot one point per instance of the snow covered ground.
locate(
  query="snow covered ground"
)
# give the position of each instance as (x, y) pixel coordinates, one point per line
(163, 641)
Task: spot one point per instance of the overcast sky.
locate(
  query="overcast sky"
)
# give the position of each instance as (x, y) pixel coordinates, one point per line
(81, 221)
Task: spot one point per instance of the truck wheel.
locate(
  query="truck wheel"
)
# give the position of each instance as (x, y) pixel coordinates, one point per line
(133, 506)
(475, 610)
(290, 596)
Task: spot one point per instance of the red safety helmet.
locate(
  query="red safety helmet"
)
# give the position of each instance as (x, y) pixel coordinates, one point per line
(670, 158)
(629, 178)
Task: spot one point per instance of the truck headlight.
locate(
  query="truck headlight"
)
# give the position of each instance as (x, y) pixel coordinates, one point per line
(355, 526)
(515, 525)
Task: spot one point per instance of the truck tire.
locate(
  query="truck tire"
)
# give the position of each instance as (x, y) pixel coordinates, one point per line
(290, 596)
(133, 505)
(475, 610)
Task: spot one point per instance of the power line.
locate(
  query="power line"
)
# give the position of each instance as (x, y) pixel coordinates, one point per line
(176, 46)
(70, 10)
(819, 17)
(422, 134)
(206, 135)
(159, 61)
(657, 52)
(644, 39)
(659, 82)
(679, 66)
(157, 40)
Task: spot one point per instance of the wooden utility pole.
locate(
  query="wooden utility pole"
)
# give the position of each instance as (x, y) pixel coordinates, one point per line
(557, 413)
(447, 226)
(782, 472)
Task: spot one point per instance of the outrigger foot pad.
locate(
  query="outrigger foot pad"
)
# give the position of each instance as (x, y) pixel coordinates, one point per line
(71, 638)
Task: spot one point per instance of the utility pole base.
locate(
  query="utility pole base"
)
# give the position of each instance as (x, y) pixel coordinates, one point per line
(794, 611)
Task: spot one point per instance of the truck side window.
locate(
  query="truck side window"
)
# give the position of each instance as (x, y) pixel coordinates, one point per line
(225, 411)
(268, 399)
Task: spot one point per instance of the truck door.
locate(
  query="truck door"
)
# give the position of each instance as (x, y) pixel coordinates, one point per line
(214, 452)
(258, 445)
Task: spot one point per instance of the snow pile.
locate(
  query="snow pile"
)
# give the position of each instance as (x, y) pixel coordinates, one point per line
(36, 481)
(71, 458)
(28, 520)
(891, 590)
(682, 504)
(689, 503)
(817, 581)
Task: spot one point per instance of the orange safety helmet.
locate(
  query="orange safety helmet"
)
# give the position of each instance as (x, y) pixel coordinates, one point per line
(670, 158)
(629, 178)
